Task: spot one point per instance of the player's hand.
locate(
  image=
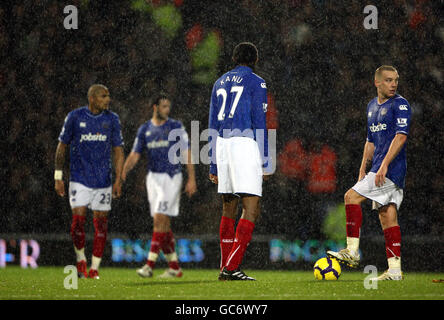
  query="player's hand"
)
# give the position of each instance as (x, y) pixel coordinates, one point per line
(60, 187)
(213, 178)
(380, 176)
(191, 187)
(117, 189)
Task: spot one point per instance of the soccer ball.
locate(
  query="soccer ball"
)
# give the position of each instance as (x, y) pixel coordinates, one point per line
(327, 269)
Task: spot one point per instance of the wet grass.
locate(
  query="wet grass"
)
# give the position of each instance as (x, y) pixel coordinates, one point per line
(124, 284)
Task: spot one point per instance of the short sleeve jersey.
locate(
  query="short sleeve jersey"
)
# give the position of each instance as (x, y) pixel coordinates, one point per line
(238, 106)
(162, 145)
(384, 121)
(91, 139)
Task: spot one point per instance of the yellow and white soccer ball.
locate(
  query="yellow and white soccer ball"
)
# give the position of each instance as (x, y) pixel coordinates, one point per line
(327, 269)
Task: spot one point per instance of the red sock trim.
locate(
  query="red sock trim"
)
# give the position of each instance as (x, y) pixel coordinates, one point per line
(353, 217)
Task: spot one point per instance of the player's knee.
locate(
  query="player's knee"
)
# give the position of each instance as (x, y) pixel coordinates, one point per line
(351, 197)
(347, 197)
(251, 213)
(388, 216)
(161, 223)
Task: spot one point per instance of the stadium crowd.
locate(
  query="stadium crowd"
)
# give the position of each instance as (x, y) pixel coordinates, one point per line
(317, 58)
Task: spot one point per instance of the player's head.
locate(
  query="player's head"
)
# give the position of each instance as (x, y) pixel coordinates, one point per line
(245, 53)
(161, 105)
(386, 81)
(98, 97)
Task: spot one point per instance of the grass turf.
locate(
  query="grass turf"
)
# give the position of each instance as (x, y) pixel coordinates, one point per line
(197, 284)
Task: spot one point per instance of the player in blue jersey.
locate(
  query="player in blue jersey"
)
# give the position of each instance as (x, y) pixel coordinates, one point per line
(388, 123)
(95, 142)
(238, 113)
(165, 142)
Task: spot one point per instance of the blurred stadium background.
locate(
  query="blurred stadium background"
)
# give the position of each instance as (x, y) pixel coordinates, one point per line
(318, 61)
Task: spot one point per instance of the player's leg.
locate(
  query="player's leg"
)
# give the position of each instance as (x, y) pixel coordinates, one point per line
(166, 202)
(230, 203)
(79, 198)
(161, 225)
(100, 220)
(353, 217)
(244, 232)
(169, 250)
(244, 178)
(153, 187)
(173, 189)
(100, 206)
(163, 239)
(388, 217)
(78, 238)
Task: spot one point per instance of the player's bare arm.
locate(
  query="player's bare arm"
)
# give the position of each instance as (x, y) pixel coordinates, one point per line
(130, 162)
(59, 163)
(191, 186)
(367, 157)
(118, 159)
(395, 147)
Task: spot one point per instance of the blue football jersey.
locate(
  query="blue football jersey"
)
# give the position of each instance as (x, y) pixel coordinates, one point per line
(238, 108)
(384, 121)
(91, 138)
(154, 140)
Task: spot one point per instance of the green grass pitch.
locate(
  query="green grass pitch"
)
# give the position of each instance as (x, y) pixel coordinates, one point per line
(197, 284)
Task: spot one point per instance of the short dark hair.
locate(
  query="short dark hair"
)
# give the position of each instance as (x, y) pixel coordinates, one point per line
(155, 100)
(245, 53)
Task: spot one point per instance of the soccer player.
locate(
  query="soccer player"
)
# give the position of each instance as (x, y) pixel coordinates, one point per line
(238, 113)
(94, 137)
(388, 123)
(163, 180)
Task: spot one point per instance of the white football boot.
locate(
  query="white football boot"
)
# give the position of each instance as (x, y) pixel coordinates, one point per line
(346, 256)
(171, 273)
(145, 271)
(387, 275)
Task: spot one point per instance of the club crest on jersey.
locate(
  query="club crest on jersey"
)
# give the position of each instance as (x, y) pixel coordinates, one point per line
(383, 111)
(105, 125)
(82, 124)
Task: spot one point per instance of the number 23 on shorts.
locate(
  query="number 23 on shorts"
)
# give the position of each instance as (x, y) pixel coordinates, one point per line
(105, 198)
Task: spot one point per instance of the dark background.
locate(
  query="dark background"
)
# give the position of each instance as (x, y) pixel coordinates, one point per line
(318, 61)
